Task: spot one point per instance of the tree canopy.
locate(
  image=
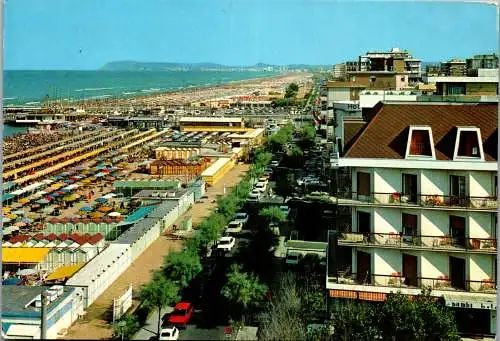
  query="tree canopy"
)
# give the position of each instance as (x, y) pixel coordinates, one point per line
(243, 289)
(291, 90)
(159, 293)
(182, 266)
(272, 214)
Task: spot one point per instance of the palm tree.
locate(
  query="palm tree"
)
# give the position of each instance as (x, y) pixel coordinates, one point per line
(159, 293)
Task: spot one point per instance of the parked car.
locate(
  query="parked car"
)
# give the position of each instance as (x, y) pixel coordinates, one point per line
(181, 315)
(169, 333)
(234, 227)
(285, 209)
(293, 258)
(275, 228)
(274, 163)
(226, 244)
(241, 217)
(253, 197)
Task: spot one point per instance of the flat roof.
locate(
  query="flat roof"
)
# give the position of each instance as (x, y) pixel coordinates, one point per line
(216, 166)
(65, 271)
(139, 214)
(92, 269)
(15, 298)
(212, 119)
(171, 194)
(464, 79)
(136, 231)
(29, 255)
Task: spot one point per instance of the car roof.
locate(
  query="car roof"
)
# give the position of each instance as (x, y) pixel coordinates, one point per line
(225, 238)
(182, 305)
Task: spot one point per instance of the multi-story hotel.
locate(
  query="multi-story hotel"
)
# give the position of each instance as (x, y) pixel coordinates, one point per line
(423, 195)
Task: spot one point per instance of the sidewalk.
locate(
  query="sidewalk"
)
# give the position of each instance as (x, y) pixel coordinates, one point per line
(95, 326)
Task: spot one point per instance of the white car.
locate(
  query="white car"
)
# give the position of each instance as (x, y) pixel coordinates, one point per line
(241, 217)
(169, 333)
(226, 243)
(253, 197)
(234, 227)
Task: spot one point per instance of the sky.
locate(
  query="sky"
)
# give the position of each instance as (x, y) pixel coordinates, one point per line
(68, 34)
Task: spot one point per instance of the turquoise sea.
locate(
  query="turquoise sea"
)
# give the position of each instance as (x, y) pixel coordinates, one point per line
(33, 87)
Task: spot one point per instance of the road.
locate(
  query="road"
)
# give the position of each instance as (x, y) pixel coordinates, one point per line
(192, 332)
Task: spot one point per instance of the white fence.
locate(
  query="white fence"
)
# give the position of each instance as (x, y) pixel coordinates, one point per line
(122, 304)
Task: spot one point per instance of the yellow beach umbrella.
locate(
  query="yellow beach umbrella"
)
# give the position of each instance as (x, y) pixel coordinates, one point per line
(12, 216)
(24, 200)
(6, 209)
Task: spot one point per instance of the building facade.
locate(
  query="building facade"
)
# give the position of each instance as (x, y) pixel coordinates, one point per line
(396, 60)
(454, 67)
(483, 61)
(423, 195)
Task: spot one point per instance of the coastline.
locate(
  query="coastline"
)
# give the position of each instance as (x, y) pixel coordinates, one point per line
(187, 95)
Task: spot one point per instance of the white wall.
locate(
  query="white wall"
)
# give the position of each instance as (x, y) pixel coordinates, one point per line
(434, 182)
(481, 225)
(434, 265)
(369, 101)
(480, 268)
(386, 262)
(387, 220)
(338, 94)
(481, 184)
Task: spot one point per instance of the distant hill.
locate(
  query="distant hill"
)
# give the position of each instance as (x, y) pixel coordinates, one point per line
(159, 66)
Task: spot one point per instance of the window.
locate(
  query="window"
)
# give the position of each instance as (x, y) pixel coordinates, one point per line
(409, 224)
(468, 144)
(420, 143)
(402, 79)
(410, 188)
(364, 186)
(372, 79)
(457, 186)
(456, 89)
(457, 230)
(495, 186)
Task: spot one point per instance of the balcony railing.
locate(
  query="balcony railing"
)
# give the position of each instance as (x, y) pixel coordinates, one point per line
(402, 240)
(423, 200)
(396, 280)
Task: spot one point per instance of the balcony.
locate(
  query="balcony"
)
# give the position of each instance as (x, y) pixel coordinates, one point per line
(396, 280)
(420, 200)
(423, 242)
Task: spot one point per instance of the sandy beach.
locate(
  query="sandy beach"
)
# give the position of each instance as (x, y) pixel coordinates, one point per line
(260, 86)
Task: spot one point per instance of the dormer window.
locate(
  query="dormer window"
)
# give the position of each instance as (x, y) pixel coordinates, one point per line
(468, 144)
(420, 143)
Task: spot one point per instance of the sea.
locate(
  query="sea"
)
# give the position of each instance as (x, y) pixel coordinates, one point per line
(34, 87)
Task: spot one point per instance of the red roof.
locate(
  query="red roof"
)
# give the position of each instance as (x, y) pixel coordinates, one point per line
(51, 237)
(39, 236)
(74, 236)
(386, 135)
(63, 236)
(95, 239)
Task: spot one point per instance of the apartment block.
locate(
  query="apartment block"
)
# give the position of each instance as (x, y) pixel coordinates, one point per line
(422, 189)
(454, 67)
(483, 61)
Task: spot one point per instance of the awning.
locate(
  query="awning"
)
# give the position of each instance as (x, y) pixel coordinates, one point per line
(24, 330)
(24, 255)
(63, 272)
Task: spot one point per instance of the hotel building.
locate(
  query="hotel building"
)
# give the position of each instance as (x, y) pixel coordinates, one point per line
(422, 188)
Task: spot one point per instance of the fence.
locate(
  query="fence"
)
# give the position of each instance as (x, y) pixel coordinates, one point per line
(122, 304)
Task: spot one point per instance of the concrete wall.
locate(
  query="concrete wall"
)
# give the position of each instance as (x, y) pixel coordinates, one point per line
(338, 94)
(385, 262)
(480, 268)
(369, 100)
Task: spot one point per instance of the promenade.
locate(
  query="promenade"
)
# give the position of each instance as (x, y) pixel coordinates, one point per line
(96, 325)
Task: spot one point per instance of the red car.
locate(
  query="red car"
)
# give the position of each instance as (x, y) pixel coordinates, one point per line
(181, 315)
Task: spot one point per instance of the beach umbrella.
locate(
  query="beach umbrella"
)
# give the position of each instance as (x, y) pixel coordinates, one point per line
(12, 216)
(27, 220)
(24, 200)
(49, 197)
(6, 209)
(20, 224)
(18, 212)
(48, 209)
(100, 174)
(96, 215)
(105, 209)
(68, 181)
(87, 209)
(42, 201)
(101, 200)
(114, 214)
(6, 220)
(71, 197)
(26, 272)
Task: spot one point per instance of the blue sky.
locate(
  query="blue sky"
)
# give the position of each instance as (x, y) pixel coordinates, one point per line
(69, 34)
